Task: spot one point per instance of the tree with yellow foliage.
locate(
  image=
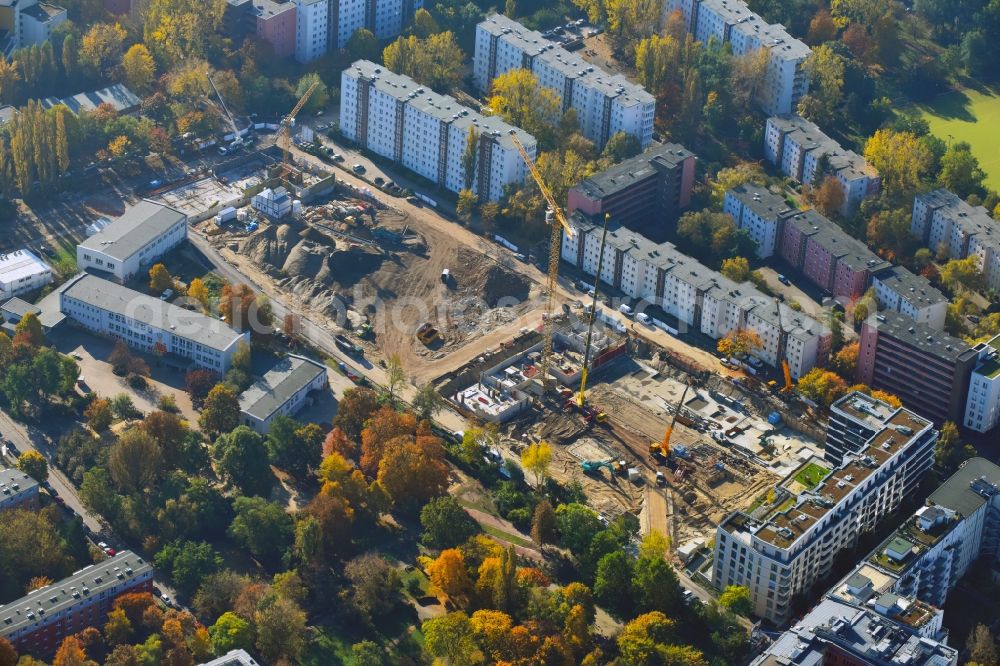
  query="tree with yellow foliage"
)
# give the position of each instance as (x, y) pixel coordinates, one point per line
(449, 577)
(536, 458)
(739, 342)
(101, 47)
(160, 279)
(821, 386)
(179, 29)
(198, 291)
(631, 20)
(736, 269)
(138, 68)
(119, 146)
(901, 158)
(517, 97)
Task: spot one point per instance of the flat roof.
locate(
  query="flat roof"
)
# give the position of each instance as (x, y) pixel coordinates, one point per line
(128, 234)
(152, 311)
(14, 482)
(969, 488)
(21, 264)
(43, 11)
(811, 138)
(626, 173)
(872, 412)
(286, 377)
(989, 362)
(920, 336)
(916, 289)
(444, 107)
(90, 582)
(117, 95)
(828, 235)
(232, 658)
(765, 203)
(973, 220)
(19, 307)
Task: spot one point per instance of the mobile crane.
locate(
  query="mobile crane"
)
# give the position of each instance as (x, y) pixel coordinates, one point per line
(581, 396)
(663, 448)
(559, 225)
(237, 139)
(782, 344)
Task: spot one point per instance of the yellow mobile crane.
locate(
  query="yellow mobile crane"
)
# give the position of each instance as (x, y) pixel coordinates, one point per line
(581, 396)
(663, 448)
(559, 225)
(782, 344)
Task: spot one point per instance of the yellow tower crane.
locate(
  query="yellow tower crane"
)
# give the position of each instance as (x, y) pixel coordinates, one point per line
(559, 225)
(663, 448)
(284, 138)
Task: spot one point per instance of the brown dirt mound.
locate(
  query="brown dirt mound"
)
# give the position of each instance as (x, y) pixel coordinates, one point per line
(501, 284)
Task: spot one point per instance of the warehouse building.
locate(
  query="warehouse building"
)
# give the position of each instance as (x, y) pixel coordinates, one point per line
(21, 271)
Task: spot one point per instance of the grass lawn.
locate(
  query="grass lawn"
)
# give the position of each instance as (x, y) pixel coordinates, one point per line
(64, 262)
(507, 536)
(972, 116)
(811, 474)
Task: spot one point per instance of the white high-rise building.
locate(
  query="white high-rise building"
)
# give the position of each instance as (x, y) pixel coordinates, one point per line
(731, 21)
(311, 25)
(396, 117)
(982, 407)
(604, 104)
(779, 551)
(384, 18)
(760, 212)
(946, 223)
(693, 293)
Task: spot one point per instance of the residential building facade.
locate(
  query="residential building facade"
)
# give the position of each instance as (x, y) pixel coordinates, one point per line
(804, 153)
(956, 229)
(24, 23)
(645, 192)
(397, 118)
(827, 256)
(604, 104)
(283, 390)
(311, 29)
(760, 213)
(22, 271)
(17, 490)
(38, 622)
(982, 407)
(150, 324)
(277, 24)
(697, 296)
(910, 295)
(132, 243)
(779, 552)
(731, 22)
(928, 369)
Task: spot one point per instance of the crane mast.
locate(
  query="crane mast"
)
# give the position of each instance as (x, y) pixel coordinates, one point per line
(782, 343)
(581, 397)
(663, 448)
(559, 225)
(284, 138)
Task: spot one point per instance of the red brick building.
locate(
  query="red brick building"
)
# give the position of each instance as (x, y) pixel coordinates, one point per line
(38, 622)
(276, 25)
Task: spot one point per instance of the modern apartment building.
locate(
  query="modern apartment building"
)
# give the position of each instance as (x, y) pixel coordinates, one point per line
(24, 23)
(947, 224)
(731, 22)
(22, 271)
(311, 28)
(283, 390)
(133, 242)
(17, 490)
(645, 192)
(854, 420)
(761, 213)
(150, 324)
(928, 369)
(891, 631)
(697, 296)
(804, 153)
(38, 622)
(910, 295)
(779, 551)
(982, 407)
(827, 256)
(395, 117)
(604, 104)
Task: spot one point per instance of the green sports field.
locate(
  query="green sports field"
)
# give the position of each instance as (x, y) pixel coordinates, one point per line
(972, 116)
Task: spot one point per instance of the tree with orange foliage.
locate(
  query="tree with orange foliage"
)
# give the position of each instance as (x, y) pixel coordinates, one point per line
(135, 604)
(71, 653)
(8, 655)
(828, 196)
(413, 472)
(845, 361)
(448, 575)
(739, 342)
(336, 442)
(242, 308)
(383, 426)
(335, 516)
(356, 406)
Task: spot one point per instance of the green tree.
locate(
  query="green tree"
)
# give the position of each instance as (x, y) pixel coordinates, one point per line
(29, 330)
(241, 460)
(293, 447)
(135, 461)
(451, 639)
(320, 97)
(949, 451)
(737, 599)
(97, 493)
(362, 45)
(231, 632)
(367, 653)
(221, 411)
(281, 630)
(395, 377)
(375, 585)
(577, 526)
(446, 524)
(263, 528)
(825, 68)
(962, 274)
(117, 629)
(33, 464)
(470, 157)
(621, 146)
(424, 24)
(655, 585)
(188, 563)
(543, 523)
(427, 402)
(101, 48)
(960, 170)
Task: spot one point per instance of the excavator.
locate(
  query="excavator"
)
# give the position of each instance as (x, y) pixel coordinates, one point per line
(594, 466)
(663, 448)
(782, 343)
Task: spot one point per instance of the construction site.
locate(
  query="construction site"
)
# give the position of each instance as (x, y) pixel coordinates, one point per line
(644, 428)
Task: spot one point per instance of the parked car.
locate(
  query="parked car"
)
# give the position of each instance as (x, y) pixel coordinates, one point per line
(785, 281)
(625, 310)
(358, 168)
(642, 318)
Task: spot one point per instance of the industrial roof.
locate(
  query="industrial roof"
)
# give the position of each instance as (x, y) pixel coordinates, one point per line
(444, 107)
(21, 264)
(925, 339)
(118, 96)
(766, 204)
(285, 378)
(969, 488)
(628, 172)
(139, 226)
(90, 582)
(534, 44)
(112, 297)
(14, 482)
